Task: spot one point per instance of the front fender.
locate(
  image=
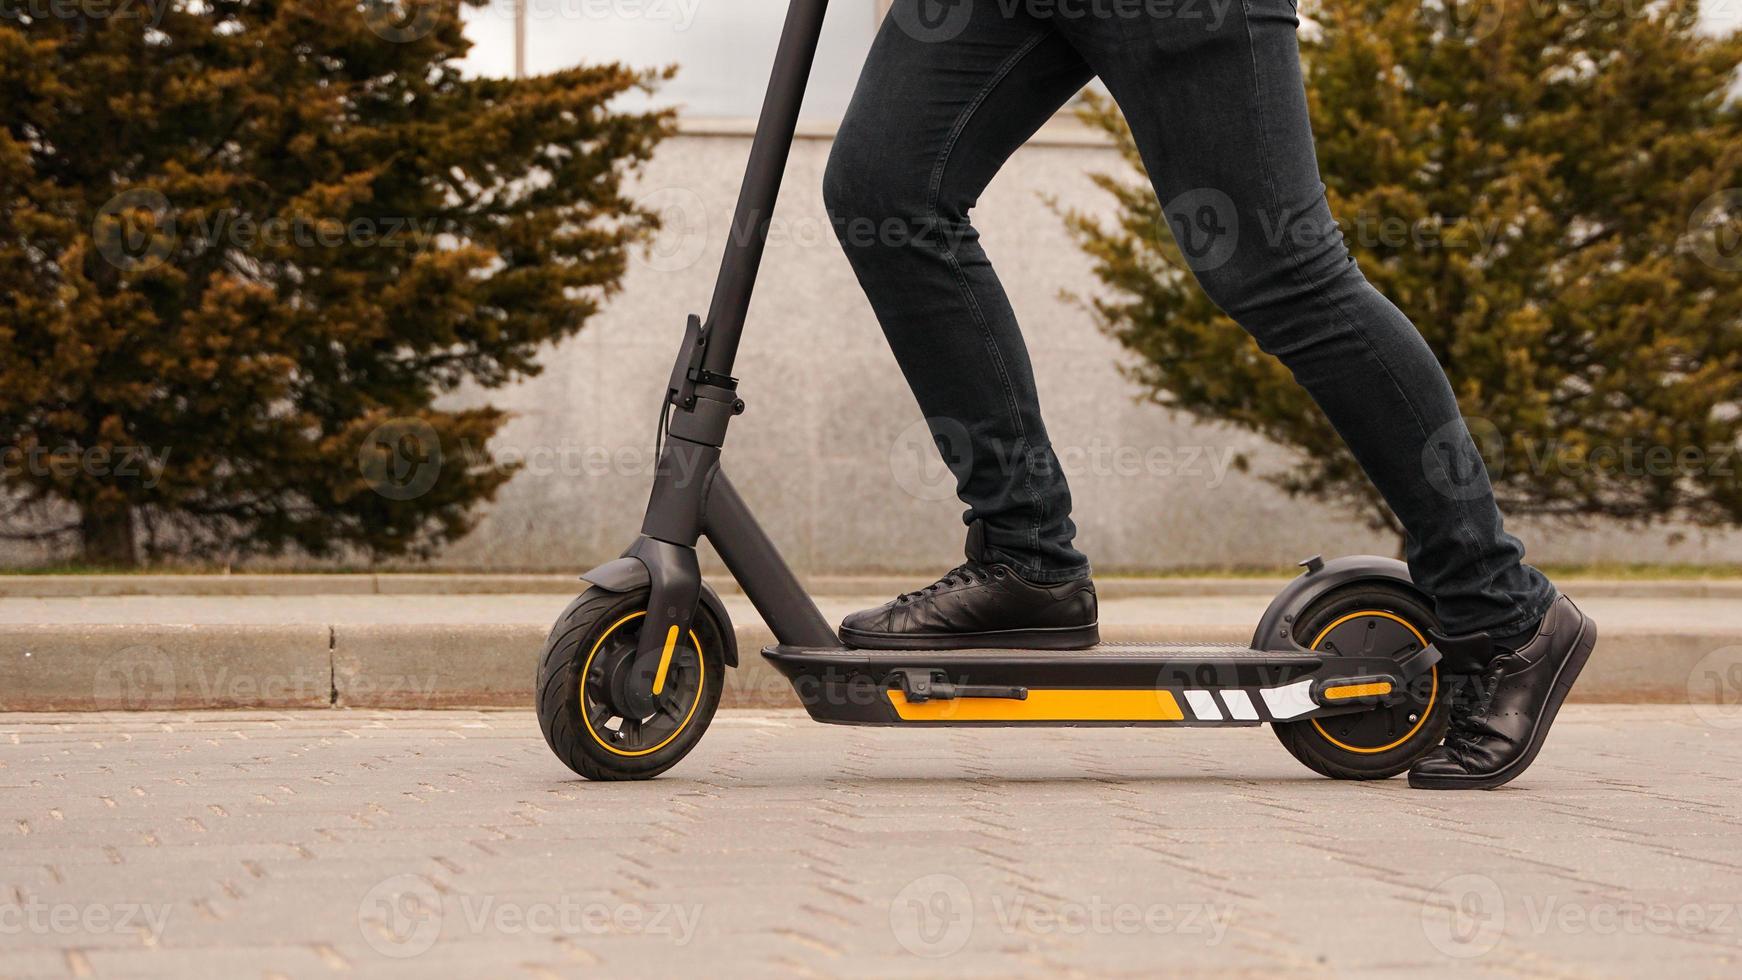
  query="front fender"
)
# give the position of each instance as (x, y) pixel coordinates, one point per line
(1275, 631)
(629, 573)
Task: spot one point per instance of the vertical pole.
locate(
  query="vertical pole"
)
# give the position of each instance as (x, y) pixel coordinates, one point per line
(519, 38)
(768, 152)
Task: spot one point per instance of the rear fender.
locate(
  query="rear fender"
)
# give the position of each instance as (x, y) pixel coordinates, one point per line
(1276, 629)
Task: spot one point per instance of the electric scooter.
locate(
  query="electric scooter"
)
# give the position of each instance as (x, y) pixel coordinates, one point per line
(1340, 665)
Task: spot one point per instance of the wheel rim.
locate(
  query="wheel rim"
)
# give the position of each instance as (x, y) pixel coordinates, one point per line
(604, 672)
(1369, 632)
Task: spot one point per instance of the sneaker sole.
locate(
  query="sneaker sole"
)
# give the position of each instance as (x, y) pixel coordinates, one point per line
(1057, 638)
(1563, 683)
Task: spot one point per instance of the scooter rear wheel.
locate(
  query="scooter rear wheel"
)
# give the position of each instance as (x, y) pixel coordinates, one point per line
(582, 673)
(1386, 740)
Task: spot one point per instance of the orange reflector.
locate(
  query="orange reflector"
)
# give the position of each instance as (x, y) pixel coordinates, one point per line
(1348, 691)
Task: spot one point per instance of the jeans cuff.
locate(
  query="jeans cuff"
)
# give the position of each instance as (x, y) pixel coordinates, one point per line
(1031, 572)
(1522, 621)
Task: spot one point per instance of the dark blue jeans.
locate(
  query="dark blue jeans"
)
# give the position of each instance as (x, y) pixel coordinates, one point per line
(1212, 90)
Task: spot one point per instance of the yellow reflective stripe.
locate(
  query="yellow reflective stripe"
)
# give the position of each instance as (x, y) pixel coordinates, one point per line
(1047, 705)
(665, 660)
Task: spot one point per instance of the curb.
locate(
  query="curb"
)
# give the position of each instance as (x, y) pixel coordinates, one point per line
(123, 667)
(87, 586)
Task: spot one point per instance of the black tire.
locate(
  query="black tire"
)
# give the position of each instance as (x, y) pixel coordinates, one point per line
(1385, 741)
(593, 635)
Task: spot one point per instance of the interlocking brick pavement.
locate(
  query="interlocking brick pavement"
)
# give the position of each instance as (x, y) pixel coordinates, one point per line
(315, 843)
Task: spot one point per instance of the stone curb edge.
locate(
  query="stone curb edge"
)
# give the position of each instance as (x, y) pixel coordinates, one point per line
(89, 586)
(163, 667)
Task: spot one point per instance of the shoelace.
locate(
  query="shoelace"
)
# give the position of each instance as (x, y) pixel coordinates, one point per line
(1467, 704)
(967, 573)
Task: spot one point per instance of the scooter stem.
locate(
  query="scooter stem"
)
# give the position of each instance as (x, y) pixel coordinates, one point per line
(768, 153)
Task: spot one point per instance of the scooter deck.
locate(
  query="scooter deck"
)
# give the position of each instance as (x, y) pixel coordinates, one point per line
(1112, 684)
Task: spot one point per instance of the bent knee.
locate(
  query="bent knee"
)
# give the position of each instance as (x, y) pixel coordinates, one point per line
(868, 201)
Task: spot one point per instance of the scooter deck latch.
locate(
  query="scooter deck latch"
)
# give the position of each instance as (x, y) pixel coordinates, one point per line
(920, 684)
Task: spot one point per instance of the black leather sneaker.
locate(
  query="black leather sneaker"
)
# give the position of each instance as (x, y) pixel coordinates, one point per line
(1501, 716)
(980, 603)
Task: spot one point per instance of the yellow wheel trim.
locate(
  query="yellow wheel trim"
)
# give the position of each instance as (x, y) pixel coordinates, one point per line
(586, 665)
(1432, 693)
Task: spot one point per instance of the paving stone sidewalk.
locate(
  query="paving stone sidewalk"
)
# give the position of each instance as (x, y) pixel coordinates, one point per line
(365, 843)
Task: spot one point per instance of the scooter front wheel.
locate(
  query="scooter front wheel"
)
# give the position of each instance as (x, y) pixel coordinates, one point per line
(582, 676)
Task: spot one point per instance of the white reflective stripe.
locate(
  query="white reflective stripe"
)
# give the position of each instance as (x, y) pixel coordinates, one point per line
(1204, 705)
(1239, 705)
(1290, 701)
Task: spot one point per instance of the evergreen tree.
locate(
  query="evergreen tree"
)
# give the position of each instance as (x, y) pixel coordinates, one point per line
(245, 245)
(1552, 191)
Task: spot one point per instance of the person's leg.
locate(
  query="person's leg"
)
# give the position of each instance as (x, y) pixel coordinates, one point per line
(1217, 107)
(1220, 117)
(939, 107)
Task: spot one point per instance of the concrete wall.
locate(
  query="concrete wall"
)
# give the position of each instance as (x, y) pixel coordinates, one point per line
(832, 451)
